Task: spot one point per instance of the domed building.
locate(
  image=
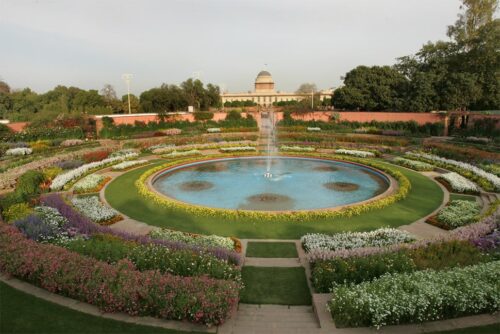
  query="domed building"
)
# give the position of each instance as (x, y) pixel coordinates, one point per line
(265, 95)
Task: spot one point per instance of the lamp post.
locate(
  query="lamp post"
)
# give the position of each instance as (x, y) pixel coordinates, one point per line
(312, 100)
(127, 78)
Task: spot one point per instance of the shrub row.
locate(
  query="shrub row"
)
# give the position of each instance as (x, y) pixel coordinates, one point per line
(118, 287)
(417, 297)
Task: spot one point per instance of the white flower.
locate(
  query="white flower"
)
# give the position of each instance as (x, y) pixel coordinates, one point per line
(175, 154)
(200, 240)
(362, 154)
(313, 129)
(213, 130)
(297, 148)
(89, 182)
(128, 164)
(91, 207)
(19, 151)
(459, 183)
(237, 149)
(413, 164)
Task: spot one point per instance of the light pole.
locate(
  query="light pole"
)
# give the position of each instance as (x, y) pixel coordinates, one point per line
(312, 100)
(127, 78)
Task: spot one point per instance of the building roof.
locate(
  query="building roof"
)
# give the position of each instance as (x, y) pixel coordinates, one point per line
(264, 74)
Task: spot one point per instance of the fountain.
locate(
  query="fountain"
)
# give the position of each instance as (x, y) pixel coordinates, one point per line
(271, 142)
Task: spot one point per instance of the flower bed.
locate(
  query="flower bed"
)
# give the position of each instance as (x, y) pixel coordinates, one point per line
(487, 180)
(90, 184)
(19, 151)
(413, 164)
(457, 213)
(63, 179)
(417, 297)
(469, 232)
(45, 224)
(213, 130)
(237, 149)
(348, 240)
(176, 154)
(193, 239)
(91, 207)
(82, 224)
(116, 287)
(361, 154)
(154, 197)
(457, 183)
(71, 142)
(297, 148)
(313, 129)
(129, 164)
(95, 156)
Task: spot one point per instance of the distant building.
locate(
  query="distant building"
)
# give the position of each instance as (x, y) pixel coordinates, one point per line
(265, 95)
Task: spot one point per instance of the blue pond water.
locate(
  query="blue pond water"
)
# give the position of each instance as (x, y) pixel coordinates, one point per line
(297, 184)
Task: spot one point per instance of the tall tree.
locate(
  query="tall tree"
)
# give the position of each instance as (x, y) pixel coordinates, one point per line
(4, 87)
(474, 15)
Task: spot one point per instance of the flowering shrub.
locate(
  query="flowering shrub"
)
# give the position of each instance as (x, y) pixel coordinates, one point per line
(82, 224)
(95, 156)
(71, 142)
(492, 181)
(44, 225)
(19, 151)
(61, 180)
(469, 232)
(129, 164)
(297, 148)
(118, 287)
(404, 187)
(193, 239)
(90, 183)
(413, 164)
(378, 238)
(213, 130)
(459, 183)
(361, 154)
(91, 207)
(112, 249)
(238, 149)
(417, 297)
(458, 213)
(176, 154)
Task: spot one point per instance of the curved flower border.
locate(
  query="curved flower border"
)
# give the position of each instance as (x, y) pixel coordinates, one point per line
(356, 209)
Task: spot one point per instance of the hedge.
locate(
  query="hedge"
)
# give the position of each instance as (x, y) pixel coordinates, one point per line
(116, 288)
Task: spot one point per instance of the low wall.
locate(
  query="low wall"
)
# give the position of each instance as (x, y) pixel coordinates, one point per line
(364, 116)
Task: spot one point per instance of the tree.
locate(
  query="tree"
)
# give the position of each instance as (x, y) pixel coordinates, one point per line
(307, 88)
(474, 15)
(4, 87)
(134, 104)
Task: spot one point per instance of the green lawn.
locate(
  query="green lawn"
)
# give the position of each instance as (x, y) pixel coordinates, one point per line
(462, 197)
(23, 313)
(270, 285)
(271, 249)
(424, 197)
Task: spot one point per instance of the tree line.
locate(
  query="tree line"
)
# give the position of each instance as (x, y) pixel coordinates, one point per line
(27, 105)
(459, 74)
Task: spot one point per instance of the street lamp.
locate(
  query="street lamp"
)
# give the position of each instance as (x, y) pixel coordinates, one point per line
(127, 77)
(312, 100)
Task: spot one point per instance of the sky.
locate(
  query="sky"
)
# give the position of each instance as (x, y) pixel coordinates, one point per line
(89, 43)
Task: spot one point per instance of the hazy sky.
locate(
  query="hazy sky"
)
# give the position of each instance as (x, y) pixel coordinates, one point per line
(88, 43)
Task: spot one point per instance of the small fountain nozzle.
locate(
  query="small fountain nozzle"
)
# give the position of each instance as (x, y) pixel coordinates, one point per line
(268, 175)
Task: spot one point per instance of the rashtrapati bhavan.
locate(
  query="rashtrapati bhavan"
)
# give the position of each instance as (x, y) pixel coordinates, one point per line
(265, 94)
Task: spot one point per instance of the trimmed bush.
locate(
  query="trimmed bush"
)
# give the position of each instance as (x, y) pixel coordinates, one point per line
(458, 213)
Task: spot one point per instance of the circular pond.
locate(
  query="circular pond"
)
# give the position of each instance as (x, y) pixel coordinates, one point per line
(293, 183)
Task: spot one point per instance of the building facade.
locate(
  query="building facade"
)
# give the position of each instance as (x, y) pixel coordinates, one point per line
(265, 95)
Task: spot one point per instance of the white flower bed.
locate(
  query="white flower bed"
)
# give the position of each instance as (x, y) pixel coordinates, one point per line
(495, 180)
(160, 147)
(297, 148)
(313, 129)
(89, 182)
(420, 296)
(91, 207)
(122, 153)
(19, 151)
(176, 154)
(71, 142)
(481, 140)
(459, 183)
(213, 130)
(362, 154)
(199, 240)
(348, 240)
(128, 164)
(413, 164)
(61, 180)
(238, 149)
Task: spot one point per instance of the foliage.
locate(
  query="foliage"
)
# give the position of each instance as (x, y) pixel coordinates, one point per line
(458, 213)
(417, 297)
(95, 156)
(119, 287)
(203, 116)
(349, 240)
(17, 212)
(193, 239)
(91, 207)
(413, 164)
(45, 225)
